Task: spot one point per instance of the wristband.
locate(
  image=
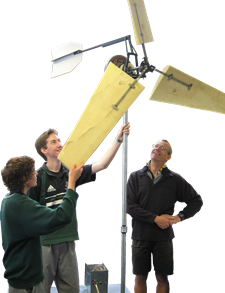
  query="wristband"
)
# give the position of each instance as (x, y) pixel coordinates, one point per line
(117, 139)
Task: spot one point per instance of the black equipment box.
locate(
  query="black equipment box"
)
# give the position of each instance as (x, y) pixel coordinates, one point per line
(96, 278)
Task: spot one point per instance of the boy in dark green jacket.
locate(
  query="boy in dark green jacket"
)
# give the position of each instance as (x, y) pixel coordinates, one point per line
(23, 220)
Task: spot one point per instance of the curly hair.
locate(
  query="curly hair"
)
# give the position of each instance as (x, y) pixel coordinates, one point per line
(41, 141)
(16, 172)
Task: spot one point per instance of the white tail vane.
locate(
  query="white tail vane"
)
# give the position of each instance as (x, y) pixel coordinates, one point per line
(65, 58)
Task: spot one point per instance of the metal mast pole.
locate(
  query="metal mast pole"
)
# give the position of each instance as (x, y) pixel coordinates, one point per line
(124, 198)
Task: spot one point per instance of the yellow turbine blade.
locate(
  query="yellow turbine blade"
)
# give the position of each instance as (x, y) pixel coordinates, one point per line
(141, 25)
(199, 96)
(99, 117)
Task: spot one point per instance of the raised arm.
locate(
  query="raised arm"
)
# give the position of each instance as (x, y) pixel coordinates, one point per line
(74, 173)
(40, 220)
(108, 157)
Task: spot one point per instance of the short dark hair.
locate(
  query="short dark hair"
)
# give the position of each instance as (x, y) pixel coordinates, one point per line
(41, 141)
(16, 172)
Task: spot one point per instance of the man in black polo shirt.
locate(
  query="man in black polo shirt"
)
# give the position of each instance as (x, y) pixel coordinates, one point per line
(151, 196)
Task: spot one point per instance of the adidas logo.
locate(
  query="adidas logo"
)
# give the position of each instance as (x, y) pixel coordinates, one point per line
(51, 188)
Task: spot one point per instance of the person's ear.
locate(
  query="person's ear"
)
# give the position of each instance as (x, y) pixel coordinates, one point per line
(25, 182)
(168, 157)
(44, 151)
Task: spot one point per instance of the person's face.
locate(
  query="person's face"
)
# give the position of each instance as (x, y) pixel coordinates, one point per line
(32, 181)
(53, 146)
(160, 152)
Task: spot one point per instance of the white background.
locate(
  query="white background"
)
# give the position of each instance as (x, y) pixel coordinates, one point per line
(187, 35)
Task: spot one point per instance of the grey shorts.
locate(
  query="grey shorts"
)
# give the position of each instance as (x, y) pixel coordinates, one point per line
(60, 266)
(162, 252)
(39, 288)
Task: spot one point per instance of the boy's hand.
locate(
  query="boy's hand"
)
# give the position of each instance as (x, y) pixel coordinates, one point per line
(74, 173)
(124, 129)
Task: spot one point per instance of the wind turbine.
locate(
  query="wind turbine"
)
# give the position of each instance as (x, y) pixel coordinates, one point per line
(117, 90)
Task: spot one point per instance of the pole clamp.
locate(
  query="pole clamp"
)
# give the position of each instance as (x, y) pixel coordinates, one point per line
(124, 229)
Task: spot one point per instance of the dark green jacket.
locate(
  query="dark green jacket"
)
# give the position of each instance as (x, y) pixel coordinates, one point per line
(23, 220)
(50, 190)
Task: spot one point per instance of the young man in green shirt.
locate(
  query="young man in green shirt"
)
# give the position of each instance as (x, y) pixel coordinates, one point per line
(59, 257)
(23, 220)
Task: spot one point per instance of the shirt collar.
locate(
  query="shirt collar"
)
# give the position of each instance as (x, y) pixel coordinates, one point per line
(163, 167)
(56, 174)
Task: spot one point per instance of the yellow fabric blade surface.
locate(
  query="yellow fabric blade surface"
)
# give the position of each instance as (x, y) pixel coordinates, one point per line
(200, 96)
(99, 117)
(141, 25)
